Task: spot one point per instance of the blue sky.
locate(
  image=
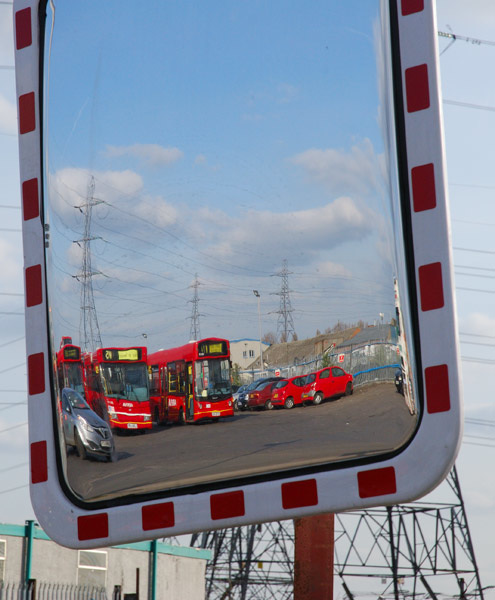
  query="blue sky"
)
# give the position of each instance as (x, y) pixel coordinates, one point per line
(238, 140)
(260, 109)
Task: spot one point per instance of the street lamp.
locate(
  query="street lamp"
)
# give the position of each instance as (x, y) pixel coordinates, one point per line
(257, 294)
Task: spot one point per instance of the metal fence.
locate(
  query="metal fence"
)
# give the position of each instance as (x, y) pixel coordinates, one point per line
(50, 591)
(368, 363)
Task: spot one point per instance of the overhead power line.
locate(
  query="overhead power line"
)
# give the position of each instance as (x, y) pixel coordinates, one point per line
(469, 105)
(463, 38)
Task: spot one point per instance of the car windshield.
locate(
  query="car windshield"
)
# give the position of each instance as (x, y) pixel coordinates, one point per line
(75, 400)
(281, 384)
(310, 378)
(253, 385)
(264, 385)
(126, 381)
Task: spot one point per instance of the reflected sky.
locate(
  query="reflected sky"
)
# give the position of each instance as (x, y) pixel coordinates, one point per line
(222, 139)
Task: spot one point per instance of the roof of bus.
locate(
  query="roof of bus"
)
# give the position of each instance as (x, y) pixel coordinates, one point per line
(187, 351)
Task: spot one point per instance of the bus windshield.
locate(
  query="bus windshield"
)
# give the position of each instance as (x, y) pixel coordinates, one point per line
(73, 376)
(125, 381)
(212, 380)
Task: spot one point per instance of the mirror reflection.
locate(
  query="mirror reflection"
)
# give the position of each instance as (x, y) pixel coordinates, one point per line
(227, 297)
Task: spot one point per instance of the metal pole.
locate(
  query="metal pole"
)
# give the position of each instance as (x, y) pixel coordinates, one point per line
(154, 557)
(29, 549)
(257, 294)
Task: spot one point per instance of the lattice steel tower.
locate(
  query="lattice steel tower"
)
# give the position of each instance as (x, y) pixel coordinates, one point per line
(89, 330)
(415, 550)
(285, 323)
(194, 332)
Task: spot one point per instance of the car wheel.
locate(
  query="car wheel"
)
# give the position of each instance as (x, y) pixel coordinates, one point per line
(348, 389)
(289, 403)
(268, 405)
(81, 450)
(318, 398)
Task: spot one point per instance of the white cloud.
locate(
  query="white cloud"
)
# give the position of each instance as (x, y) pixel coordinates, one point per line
(8, 117)
(355, 172)
(151, 154)
(331, 269)
(157, 210)
(478, 324)
(6, 36)
(69, 188)
(297, 233)
(12, 435)
(11, 261)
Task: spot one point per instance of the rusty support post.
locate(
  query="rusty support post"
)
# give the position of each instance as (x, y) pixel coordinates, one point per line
(313, 557)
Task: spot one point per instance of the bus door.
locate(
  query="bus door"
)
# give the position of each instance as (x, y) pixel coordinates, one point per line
(189, 392)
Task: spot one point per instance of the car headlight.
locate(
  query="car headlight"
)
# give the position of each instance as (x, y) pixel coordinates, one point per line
(86, 425)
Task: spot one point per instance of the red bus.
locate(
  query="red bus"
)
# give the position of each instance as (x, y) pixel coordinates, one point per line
(117, 386)
(191, 382)
(70, 371)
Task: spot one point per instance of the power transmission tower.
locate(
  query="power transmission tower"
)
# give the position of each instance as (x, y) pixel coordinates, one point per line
(194, 332)
(407, 551)
(89, 330)
(285, 323)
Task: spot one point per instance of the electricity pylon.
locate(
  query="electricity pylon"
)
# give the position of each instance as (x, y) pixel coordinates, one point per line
(194, 332)
(89, 330)
(285, 323)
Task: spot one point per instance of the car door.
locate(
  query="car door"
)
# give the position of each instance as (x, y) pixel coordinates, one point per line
(339, 380)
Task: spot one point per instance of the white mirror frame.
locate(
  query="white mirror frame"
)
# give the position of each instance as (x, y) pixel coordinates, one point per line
(412, 472)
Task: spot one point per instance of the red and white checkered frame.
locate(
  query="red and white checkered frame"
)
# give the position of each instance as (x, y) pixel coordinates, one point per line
(413, 472)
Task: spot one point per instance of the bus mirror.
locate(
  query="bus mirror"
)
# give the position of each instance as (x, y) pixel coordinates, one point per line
(184, 159)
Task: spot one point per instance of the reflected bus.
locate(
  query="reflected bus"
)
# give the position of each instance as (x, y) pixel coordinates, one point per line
(192, 382)
(117, 387)
(70, 373)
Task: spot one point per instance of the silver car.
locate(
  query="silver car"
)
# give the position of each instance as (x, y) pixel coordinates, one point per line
(83, 429)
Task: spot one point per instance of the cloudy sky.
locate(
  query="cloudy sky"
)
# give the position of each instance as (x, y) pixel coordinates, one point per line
(228, 164)
(222, 198)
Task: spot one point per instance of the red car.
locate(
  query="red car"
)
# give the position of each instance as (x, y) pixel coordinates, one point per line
(287, 392)
(328, 382)
(261, 396)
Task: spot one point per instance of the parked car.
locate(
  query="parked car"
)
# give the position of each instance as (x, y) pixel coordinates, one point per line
(327, 383)
(83, 429)
(236, 394)
(242, 400)
(288, 392)
(261, 396)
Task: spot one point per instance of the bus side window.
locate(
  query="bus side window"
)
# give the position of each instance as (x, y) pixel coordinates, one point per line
(172, 377)
(163, 379)
(181, 377)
